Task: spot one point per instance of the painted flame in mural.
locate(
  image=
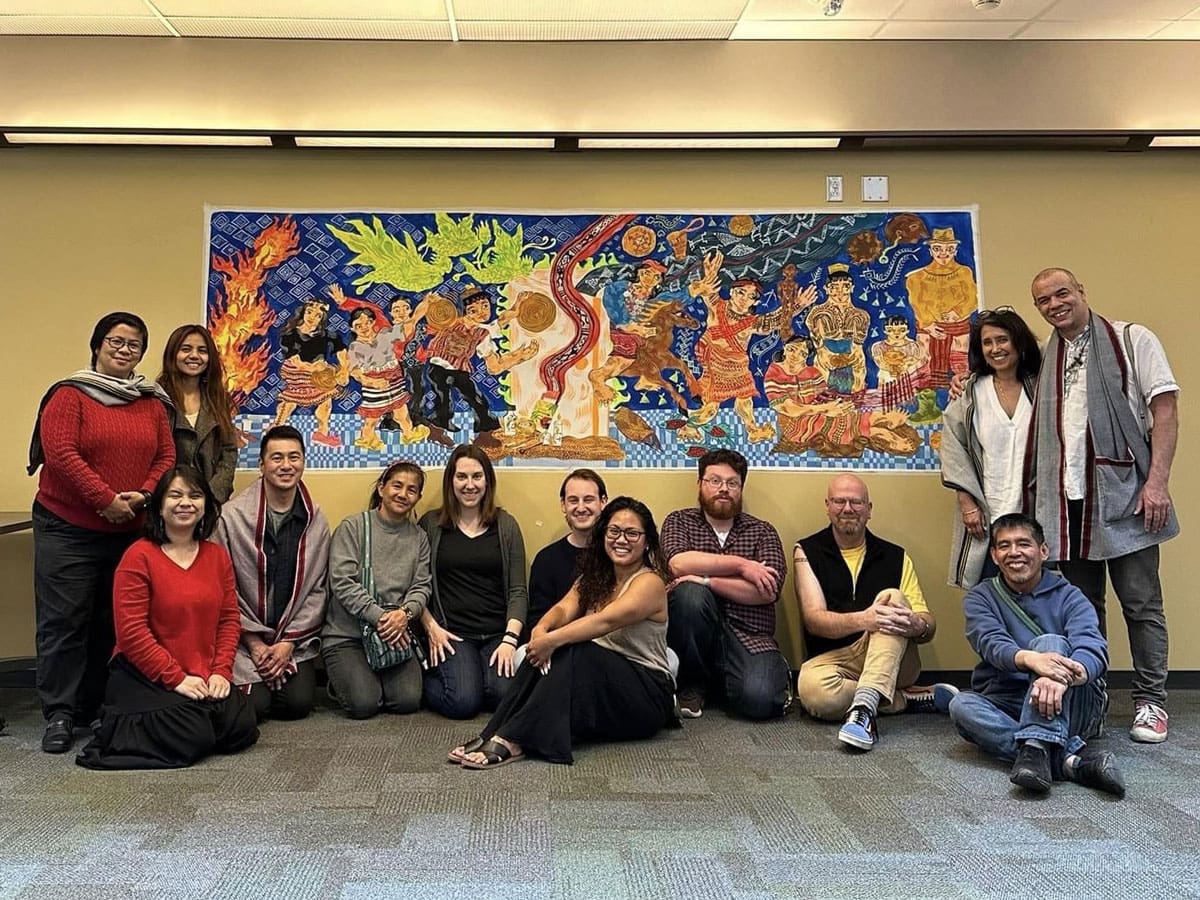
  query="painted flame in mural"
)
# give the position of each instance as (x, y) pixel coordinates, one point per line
(240, 315)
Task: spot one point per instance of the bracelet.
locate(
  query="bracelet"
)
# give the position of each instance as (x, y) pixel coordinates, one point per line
(512, 643)
(512, 634)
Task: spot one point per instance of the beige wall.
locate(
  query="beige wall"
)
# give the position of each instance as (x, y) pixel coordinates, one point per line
(69, 253)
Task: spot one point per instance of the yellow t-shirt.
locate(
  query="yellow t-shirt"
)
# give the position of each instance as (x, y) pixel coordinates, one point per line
(909, 586)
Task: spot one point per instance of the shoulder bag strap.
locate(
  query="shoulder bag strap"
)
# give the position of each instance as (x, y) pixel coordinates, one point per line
(1004, 595)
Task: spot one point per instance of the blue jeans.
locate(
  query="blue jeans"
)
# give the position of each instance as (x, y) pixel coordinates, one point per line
(464, 685)
(711, 656)
(998, 723)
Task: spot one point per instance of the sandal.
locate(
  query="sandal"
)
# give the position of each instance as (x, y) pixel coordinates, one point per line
(495, 754)
(472, 746)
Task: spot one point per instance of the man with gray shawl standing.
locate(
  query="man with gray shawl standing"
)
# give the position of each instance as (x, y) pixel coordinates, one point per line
(1101, 444)
(278, 539)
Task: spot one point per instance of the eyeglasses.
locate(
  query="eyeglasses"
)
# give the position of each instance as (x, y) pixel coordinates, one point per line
(852, 502)
(734, 484)
(119, 343)
(632, 535)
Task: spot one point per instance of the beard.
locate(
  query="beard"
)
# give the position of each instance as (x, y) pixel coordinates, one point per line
(717, 508)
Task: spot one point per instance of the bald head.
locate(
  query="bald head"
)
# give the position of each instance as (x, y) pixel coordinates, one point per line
(848, 505)
(1055, 270)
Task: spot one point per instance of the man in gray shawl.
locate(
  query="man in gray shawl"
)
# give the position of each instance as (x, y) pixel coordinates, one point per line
(1101, 444)
(278, 539)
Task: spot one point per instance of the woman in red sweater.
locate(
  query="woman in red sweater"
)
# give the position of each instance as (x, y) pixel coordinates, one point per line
(169, 701)
(103, 440)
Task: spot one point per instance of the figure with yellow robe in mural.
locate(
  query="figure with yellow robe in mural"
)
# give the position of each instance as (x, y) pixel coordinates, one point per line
(943, 296)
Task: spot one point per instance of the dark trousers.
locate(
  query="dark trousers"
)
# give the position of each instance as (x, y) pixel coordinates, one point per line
(464, 685)
(591, 693)
(443, 381)
(1139, 591)
(361, 691)
(292, 701)
(712, 658)
(72, 581)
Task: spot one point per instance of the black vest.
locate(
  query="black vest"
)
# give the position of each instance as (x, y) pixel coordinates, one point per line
(882, 568)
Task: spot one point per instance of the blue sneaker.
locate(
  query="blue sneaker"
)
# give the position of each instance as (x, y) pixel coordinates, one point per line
(859, 731)
(942, 695)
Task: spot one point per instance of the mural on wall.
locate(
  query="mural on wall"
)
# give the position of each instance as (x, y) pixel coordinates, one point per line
(812, 338)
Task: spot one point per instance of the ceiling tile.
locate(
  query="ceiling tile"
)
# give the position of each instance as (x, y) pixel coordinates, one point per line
(591, 11)
(327, 29)
(1179, 31)
(110, 26)
(409, 10)
(823, 30)
(943, 10)
(779, 10)
(101, 8)
(1102, 30)
(1088, 10)
(594, 31)
(947, 31)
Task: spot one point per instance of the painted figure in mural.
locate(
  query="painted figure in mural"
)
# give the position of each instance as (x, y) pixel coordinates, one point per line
(626, 304)
(943, 296)
(309, 378)
(407, 336)
(812, 416)
(898, 358)
(384, 387)
(839, 329)
(722, 349)
(451, 353)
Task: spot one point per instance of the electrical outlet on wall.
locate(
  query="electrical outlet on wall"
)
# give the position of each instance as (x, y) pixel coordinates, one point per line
(833, 189)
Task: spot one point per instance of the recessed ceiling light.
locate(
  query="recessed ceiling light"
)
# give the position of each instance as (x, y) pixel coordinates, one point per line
(724, 143)
(76, 137)
(482, 142)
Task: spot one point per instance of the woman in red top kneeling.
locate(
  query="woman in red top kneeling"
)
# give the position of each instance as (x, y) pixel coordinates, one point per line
(169, 702)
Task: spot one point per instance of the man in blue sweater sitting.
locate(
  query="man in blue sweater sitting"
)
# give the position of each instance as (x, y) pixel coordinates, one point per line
(1038, 692)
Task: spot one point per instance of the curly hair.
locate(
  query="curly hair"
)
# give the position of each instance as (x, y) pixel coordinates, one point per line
(597, 576)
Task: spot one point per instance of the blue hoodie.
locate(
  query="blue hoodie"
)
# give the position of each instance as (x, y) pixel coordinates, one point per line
(997, 633)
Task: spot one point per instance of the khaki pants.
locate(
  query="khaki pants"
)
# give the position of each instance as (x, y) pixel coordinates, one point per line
(883, 662)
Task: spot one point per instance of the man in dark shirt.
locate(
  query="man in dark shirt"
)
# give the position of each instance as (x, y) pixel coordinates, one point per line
(582, 496)
(728, 568)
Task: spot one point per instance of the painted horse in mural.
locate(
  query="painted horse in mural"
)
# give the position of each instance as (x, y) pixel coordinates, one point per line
(653, 357)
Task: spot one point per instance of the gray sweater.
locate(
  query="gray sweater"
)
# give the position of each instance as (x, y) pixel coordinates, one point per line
(399, 563)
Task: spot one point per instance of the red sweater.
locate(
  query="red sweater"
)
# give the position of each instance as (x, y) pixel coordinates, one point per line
(94, 452)
(173, 622)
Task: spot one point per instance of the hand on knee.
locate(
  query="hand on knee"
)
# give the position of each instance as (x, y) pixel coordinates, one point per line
(892, 597)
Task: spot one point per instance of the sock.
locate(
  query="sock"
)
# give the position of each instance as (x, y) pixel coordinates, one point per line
(868, 698)
(1069, 766)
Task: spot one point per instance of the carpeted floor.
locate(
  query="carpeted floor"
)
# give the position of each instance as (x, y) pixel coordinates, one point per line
(722, 808)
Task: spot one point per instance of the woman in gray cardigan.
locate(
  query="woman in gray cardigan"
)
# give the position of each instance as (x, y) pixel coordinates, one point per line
(474, 618)
(399, 561)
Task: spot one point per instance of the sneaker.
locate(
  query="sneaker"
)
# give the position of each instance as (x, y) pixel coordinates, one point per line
(691, 704)
(59, 736)
(859, 730)
(1149, 723)
(1031, 770)
(932, 699)
(1097, 769)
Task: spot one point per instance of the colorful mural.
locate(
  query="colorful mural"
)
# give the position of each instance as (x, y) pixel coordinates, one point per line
(812, 338)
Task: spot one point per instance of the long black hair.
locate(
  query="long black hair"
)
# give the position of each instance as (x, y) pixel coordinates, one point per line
(156, 528)
(597, 577)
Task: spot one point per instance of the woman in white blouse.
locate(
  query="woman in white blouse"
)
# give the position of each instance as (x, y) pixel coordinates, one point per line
(984, 436)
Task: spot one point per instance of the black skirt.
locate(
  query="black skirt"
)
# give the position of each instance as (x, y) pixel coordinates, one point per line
(590, 694)
(144, 725)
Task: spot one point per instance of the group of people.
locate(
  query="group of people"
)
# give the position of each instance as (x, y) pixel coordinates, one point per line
(222, 608)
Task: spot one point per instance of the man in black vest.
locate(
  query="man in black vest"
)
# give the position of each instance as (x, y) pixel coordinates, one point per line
(863, 613)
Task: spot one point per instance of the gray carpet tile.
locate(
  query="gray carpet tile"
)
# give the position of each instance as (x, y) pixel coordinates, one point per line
(719, 809)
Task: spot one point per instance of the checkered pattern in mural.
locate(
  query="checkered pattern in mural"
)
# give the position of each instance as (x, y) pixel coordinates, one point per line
(802, 339)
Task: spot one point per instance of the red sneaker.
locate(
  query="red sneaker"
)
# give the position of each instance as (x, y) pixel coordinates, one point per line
(1149, 723)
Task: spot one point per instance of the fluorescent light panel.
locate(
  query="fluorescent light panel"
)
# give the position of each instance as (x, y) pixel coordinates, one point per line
(1176, 140)
(223, 140)
(685, 143)
(418, 142)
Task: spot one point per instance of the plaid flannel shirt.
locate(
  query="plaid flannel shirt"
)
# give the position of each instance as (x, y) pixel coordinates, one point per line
(749, 538)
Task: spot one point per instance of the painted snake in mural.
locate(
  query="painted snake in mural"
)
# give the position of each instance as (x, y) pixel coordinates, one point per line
(573, 303)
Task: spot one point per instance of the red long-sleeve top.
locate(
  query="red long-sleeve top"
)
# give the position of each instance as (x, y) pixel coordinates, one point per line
(94, 452)
(173, 622)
